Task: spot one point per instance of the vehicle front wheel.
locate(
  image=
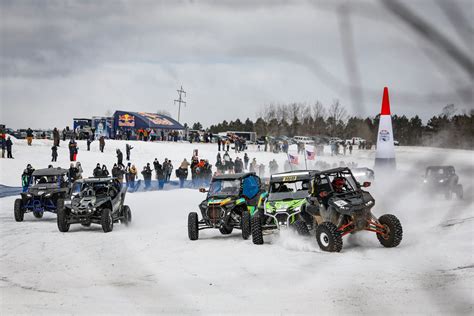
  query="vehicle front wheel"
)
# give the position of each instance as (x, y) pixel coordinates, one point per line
(18, 210)
(63, 224)
(38, 214)
(328, 237)
(127, 215)
(257, 232)
(301, 227)
(393, 231)
(106, 220)
(245, 225)
(193, 226)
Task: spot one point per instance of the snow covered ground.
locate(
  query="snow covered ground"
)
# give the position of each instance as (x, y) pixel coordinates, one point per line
(152, 267)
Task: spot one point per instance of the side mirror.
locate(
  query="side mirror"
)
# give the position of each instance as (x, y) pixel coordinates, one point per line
(202, 190)
(366, 184)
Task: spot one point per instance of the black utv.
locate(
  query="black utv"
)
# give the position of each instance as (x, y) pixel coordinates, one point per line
(339, 206)
(229, 201)
(47, 189)
(95, 201)
(442, 179)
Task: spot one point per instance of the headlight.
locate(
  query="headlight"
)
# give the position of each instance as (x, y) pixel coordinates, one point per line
(369, 203)
(441, 181)
(47, 195)
(40, 192)
(425, 181)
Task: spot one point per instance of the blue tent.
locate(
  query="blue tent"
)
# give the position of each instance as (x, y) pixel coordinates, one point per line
(139, 120)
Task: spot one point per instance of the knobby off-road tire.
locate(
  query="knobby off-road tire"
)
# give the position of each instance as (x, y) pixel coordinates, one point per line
(106, 220)
(328, 237)
(61, 217)
(18, 210)
(394, 234)
(301, 227)
(38, 214)
(127, 215)
(256, 227)
(193, 226)
(245, 225)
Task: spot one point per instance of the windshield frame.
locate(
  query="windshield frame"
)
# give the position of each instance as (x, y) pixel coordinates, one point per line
(219, 193)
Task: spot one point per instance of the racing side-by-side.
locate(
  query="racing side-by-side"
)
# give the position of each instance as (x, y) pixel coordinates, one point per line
(327, 204)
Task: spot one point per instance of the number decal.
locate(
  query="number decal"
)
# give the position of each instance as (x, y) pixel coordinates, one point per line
(289, 178)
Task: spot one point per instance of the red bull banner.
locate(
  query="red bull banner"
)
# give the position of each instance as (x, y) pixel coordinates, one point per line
(126, 120)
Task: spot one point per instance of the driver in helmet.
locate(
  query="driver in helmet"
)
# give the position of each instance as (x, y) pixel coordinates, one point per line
(338, 184)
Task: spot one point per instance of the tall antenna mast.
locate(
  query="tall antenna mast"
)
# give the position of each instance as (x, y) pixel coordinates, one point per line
(180, 100)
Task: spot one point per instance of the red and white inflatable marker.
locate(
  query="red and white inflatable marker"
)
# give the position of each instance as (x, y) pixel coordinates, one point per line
(385, 155)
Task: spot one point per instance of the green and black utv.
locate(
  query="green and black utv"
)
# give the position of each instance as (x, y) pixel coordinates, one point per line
(230, 200)
(285, 204)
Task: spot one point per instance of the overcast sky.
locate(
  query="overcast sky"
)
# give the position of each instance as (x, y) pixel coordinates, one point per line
(65, 59)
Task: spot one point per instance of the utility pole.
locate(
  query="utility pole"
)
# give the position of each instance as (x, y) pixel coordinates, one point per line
(180, 100)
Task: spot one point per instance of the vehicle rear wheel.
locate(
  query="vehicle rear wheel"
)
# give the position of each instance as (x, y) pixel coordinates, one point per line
(193, 226)
(257, 233)
(328, 237)
(393, 231)
(301, 227)
(18, 210)
(127, 215)
(226, 230)
(63, 225)
(245, 225)
(106, 220)
(38, 214)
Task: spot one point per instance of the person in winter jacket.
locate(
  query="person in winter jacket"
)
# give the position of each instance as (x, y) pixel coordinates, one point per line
(26, 177)
(72, 174)
(238, 165)
(101, 143)
(160, 176)
(105, 172)
(253, 165)
(220, 166)
(132, 176)
(29, 136)
(261, 170)
(97, 173)
(54, 153)
(56, 137)
(273, 166)
(146, 173)
(219, 143)
(156, 164)
(127, 173)
(9, 145)
(128, 148)
(72, 149)
(79, 170)
(182, 172)
(4, 146)
(119, 158)
(246, 161)
(89, 141)
(167, 169)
